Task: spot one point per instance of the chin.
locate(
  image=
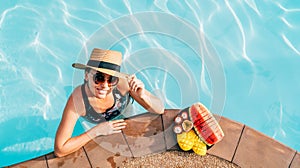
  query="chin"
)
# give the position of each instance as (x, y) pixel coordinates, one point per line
(100, 96)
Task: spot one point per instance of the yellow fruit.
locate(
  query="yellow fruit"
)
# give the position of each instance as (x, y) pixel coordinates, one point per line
(199, 147)
(186, 140)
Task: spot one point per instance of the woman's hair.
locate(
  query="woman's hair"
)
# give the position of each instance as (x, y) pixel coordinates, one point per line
(87, 70)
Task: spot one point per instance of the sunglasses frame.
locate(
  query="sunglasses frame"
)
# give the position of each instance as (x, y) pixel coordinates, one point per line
(109, 81)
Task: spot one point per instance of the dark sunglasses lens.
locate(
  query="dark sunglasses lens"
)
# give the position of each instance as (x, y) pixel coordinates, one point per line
(113, 80)
(99, 78)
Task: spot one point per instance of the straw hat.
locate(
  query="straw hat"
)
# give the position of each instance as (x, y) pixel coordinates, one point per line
(106, 61)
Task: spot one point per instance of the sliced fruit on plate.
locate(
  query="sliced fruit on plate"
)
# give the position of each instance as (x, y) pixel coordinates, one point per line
(178, 119)
(187, 125)
(177, 129)
(186, 140)
(199, 147)
(184, 115)
(205, 124)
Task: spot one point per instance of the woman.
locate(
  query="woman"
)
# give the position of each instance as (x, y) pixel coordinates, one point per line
(104, 95)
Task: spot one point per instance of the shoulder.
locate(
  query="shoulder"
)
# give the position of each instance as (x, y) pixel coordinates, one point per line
(77, 92)
(75, 102)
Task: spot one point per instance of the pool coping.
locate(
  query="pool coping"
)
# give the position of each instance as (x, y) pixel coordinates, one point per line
(144, 134)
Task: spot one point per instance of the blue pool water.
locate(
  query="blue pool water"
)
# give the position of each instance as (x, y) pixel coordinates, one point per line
(241, 59)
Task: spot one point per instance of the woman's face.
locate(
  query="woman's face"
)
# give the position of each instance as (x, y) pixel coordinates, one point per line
(100, 84)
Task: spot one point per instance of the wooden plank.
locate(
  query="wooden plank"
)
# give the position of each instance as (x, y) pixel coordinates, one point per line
(227, 146)
(34, 163)
(107, 151)
(76, 159)
(296, 161)
(144, 134)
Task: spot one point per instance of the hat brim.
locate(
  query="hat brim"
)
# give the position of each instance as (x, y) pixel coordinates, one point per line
(103, 70)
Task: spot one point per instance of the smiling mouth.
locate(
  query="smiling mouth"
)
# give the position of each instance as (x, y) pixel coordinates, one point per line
(100, 91)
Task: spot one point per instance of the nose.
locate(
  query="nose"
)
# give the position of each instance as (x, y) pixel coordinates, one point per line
(104, 84)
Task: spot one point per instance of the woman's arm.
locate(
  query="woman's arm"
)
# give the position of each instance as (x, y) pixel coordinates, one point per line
(66, 144)
(143, 97)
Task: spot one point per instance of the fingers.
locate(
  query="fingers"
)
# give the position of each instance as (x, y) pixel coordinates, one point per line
(107, 128)
(117, 131)
(117, 125)
(121, 121)
(135, 83)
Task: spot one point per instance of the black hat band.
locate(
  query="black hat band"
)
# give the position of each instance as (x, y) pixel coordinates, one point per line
(105, 65)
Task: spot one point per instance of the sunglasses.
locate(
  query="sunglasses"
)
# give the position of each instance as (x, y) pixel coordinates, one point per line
(100, 78)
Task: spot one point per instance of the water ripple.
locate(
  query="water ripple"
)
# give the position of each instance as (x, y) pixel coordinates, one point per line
(287, 10)
(288, 43)
(252, 5)
(3, 59)
(241, 28)
(32, 146)
(42, 106)
(3, 15)
(37, 44)
(286, 22)
(66, 17)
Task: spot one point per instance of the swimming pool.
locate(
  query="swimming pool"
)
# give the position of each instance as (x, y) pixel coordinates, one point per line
(238, 58)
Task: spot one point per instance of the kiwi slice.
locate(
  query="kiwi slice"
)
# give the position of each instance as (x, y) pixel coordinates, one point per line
(187, 125)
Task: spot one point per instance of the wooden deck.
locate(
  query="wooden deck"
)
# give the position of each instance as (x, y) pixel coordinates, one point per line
(149, 133)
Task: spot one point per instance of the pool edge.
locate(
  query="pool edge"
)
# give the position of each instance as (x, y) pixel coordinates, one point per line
(242, 145)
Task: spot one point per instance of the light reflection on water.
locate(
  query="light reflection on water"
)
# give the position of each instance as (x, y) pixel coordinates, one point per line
(238, 58)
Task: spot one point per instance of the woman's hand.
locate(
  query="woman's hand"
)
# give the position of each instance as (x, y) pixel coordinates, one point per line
(136, 86)
(150, 102)
(107, 128)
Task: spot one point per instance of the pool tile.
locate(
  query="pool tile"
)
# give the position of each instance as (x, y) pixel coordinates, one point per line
(144, 134)
(76, 159)
(227, 146)
(168, 123)
(258, 150)
(296, 161)
(34, 163)
(107, 151)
